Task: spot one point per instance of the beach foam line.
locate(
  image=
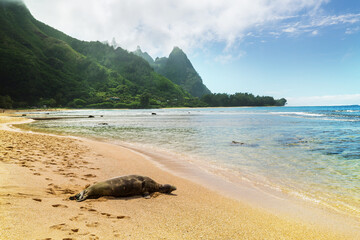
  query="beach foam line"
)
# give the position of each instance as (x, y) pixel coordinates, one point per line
(305, 114)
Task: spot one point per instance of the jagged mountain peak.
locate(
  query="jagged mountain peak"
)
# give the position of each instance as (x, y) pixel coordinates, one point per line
(144, 55)
(179, 69)
(177, 50)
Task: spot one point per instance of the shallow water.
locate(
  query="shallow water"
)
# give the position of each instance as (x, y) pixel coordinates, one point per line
(311, 153)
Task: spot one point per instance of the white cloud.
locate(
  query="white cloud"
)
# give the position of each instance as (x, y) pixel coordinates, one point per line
(329, 100)
(340, 19)
(315, 32)
(312, 24)
(158, 25)
(352, 30)
(290, 30)
(229, 57)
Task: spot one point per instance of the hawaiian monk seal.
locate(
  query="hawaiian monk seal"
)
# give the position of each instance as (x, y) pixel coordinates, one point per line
(123, 186)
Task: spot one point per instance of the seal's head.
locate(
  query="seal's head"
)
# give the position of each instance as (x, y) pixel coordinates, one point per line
(167, 188)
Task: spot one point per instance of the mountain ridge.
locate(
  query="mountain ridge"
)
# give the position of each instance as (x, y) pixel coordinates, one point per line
(144, 55)
(179, 69)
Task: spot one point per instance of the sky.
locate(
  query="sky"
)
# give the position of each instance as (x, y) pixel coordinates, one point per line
(307, 51)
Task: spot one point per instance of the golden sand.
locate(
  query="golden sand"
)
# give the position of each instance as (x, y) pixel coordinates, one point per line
(39, 172)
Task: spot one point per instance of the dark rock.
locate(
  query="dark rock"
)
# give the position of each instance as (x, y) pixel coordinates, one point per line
(235, 143)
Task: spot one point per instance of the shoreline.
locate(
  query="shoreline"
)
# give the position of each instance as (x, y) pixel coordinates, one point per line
(234, 186)
(195, 212)
(231, 183)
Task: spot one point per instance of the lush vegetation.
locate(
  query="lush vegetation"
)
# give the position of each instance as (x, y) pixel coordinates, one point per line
(240, 99)
(179, 70)
(41, 66)
(6, 102)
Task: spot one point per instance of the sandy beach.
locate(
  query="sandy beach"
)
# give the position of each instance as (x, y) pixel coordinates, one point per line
(38, 173)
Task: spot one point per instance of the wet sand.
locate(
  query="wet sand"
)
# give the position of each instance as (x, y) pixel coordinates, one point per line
(39, 172)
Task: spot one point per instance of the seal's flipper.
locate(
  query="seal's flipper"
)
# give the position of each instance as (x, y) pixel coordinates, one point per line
(146, 195)
(79, 197)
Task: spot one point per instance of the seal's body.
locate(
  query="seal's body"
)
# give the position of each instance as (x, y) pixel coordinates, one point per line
(123, 186)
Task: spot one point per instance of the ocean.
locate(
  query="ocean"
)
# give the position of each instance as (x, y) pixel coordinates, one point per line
(311, 153)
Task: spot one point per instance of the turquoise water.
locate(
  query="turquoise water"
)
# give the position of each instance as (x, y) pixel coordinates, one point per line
(308, 152)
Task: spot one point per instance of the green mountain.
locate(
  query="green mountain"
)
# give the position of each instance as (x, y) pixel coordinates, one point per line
(178, 68)
(144, 55)
(43, 66)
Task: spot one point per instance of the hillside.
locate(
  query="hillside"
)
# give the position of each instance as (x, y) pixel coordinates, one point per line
(43, 66)
(178, 68)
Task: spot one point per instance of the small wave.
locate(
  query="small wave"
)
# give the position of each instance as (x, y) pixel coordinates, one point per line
(326, 117)
(348, 111)
(341, 120)
(299, 114)
(306, 198)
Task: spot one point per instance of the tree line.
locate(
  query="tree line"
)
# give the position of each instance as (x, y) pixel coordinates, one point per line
(147, 100)
(240, 99)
